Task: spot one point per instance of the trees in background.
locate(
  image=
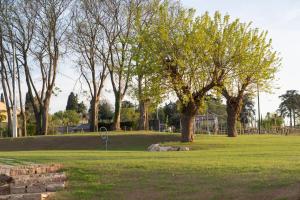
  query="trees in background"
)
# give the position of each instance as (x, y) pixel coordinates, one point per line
(290, 105)
(105, 111)
(172, 115)
(72, 103)
(66, 118)
(272, 121)
(129, 113)
(247, 111)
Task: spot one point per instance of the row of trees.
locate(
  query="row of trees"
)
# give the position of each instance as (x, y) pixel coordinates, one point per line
(146, 48)
(290, 106)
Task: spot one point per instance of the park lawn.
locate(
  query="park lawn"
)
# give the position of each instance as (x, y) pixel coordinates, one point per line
(218, 167)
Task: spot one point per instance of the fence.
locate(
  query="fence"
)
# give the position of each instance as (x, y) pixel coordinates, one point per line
(248, 131)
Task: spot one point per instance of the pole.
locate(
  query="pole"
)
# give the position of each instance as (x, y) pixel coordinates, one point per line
(258, 109)
(15, 130)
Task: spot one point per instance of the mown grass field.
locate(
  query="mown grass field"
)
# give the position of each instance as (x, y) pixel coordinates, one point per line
(247, 167)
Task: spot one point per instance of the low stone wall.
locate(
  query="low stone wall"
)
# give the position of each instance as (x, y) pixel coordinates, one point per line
(33, 182)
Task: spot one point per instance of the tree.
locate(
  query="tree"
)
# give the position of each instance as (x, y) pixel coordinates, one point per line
(105, 111)
(247, 111)
(2, 98)
(87, 40)
(116, 18)
(255, 66)
(172, 114)
(290, 105)
(72, 103)
(195, 55)
(128, 112)
(81, 108)
(66, 118)
(148, 88)
(271, 121)
(40, 31)
(6, 67)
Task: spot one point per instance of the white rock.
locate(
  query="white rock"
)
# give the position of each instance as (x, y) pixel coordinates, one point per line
(157, 147)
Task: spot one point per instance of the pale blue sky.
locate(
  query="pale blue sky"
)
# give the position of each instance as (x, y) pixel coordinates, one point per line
(280, 17)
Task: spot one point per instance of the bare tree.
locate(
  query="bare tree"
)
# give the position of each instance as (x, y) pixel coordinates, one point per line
(24, 22)
(42, 27)
(87, 40)
(5, 59)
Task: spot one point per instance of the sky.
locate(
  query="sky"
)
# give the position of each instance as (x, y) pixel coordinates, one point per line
(280, 18)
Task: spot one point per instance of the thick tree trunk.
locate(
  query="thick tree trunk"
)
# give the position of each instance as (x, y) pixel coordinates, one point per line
(8, 110)
(44, 130)
(144, 115)
(291, 119)
(294, 116)
(187, 122)
(24, 124)
(117, 114)
(94, 115)
(38, 123)
(9, 123)
(233, 111)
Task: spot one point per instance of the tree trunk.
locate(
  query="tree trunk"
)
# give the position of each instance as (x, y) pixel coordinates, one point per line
(8, 110)
(291, 119)
(117, 114)
(9, 123)
(188, 114)
(38, 123)
(232, 116)
(44, 130)
(144, 115)
(294, 116)
(24, 124)
(94, 115)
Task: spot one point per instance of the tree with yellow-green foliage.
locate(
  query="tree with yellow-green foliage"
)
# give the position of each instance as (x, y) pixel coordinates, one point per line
(198, 54)
(256, 67)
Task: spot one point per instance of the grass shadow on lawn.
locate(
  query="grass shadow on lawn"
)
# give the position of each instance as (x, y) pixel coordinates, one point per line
(128, 142)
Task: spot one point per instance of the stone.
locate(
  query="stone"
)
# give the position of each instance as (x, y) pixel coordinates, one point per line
(153, 147)
(55, 187)
(33, 182)
(17, 189)
(157, 147)
(36, 188)
(183, 149)
(4, 189)
(40, 178)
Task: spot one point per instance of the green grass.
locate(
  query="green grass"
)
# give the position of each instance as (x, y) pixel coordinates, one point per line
(246, 167)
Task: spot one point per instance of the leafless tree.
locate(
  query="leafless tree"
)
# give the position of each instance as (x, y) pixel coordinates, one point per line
(87, 40)
(5, 59)
(24, 17)
(41, 26)
(117, 19)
